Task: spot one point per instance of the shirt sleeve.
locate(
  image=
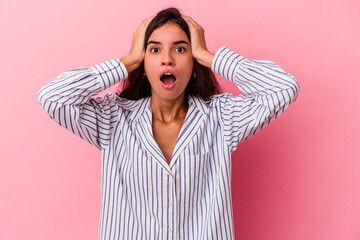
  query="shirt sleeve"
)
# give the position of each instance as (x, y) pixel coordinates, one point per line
(68, 100)
(266, 92)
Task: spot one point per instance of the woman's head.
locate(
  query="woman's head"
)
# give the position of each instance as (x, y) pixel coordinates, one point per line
(168, 62)
(168, 49)
(170, 15)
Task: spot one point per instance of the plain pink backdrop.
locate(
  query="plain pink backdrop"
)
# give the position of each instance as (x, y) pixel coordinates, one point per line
(298, 179)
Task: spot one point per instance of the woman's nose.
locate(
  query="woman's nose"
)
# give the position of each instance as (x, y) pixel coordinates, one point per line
(167, 59)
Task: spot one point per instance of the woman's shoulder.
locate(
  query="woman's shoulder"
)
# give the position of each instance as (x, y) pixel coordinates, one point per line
(212, 103)
(113, 99)
(214, 100)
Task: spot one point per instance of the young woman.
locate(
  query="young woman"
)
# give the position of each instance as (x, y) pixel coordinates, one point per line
(167, 137)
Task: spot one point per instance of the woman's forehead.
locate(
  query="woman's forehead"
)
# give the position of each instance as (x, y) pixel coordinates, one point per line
(169, 32)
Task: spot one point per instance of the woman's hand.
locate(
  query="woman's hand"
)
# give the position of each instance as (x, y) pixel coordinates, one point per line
(198, 44)
(137, 52)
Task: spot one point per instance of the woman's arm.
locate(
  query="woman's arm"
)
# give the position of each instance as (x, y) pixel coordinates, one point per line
(267, 92)
(68, 98)
(267, 89)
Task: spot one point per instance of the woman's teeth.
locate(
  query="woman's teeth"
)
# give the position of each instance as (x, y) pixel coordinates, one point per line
(168, 78)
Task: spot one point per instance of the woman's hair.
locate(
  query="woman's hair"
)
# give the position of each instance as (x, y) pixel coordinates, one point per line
(203, 85)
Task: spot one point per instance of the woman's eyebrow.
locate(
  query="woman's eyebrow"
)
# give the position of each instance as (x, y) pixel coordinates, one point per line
(177, 42)
(181, 41)
(153, 42)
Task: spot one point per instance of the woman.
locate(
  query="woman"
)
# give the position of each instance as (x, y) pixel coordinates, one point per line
(167, 138)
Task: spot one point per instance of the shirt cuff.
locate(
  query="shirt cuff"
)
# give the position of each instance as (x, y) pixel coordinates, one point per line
(111, 72)
(225, 63)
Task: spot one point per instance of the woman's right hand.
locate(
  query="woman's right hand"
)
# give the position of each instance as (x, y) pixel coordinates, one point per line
(137, 52)
(198, 44)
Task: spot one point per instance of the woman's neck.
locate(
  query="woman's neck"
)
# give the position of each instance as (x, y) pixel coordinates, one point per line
(167, 111)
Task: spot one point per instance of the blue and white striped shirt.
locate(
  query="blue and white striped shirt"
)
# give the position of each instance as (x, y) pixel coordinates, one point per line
(142, 196)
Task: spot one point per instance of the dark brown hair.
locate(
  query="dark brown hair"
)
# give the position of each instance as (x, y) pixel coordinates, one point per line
(204, 85)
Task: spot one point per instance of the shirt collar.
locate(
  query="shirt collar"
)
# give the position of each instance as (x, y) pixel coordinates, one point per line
(139, 108)
(142, 115)
(142, 108)
(199, 104)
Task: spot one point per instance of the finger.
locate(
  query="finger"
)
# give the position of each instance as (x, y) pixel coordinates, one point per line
(148, 20)
(144, 24)
(191, 21)
(187, 19)
(140, 31)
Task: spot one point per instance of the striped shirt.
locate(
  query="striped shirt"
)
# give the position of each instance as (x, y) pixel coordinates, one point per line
(142, 196)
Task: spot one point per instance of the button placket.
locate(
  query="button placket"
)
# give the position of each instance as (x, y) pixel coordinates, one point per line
(171, 208)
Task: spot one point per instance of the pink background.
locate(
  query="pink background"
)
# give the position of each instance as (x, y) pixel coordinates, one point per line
(297, 179)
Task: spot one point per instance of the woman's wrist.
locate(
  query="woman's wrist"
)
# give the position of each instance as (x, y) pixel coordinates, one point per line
(130, 63)
(206, 58)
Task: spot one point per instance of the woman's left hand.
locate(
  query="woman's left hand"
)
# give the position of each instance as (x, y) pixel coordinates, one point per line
(198, 44)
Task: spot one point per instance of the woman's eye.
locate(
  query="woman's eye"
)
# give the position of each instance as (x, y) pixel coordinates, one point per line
(180, 49)
(154, 50)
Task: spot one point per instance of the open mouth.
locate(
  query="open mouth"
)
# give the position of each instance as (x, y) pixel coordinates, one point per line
(168, 79)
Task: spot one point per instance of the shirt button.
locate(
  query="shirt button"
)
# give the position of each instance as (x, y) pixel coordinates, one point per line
(170, 204)
(170, 229)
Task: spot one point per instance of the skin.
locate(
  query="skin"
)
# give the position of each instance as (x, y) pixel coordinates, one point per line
(168, 49)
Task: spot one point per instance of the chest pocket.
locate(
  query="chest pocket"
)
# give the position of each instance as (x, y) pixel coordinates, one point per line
(197, 176)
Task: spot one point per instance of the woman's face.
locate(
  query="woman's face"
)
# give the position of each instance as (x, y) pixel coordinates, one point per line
(168, 62)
